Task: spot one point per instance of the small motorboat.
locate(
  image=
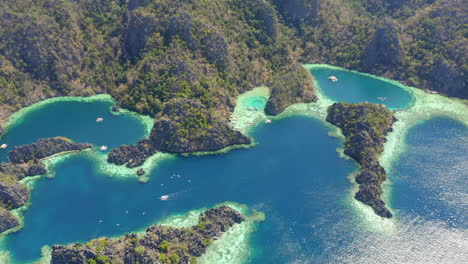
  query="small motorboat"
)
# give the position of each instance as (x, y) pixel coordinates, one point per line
(3, 146)
(99, 119)
(103, 148)
(268, 121)
(333, 78)
(249, 108)
(164, 197)
(382, 98)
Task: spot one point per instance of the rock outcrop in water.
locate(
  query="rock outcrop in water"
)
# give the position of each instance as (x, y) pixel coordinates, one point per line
(365, 126)
(25, 161)
(132, 156)
(44, 148)
(296, 86)
(159, 244)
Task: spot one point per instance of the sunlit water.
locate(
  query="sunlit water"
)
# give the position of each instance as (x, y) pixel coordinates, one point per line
(293, 175)
(353, 87)
(77, 121)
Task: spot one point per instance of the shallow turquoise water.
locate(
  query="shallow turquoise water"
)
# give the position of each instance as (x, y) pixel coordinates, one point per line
(353, 87)
(298, 184)
(77, 121)
(294, 176)
(256, 102)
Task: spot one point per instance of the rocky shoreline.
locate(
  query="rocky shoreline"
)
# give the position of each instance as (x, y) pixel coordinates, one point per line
(26, 161)
(159, 244)
(365, 127)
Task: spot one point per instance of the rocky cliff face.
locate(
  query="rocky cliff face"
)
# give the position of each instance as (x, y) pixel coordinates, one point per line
(13, 195)
(186, 125)
(365, 126)
(132, 156)
(159, 244)
(384, 51)
(44, 148)
(296, 86)
(7, 220)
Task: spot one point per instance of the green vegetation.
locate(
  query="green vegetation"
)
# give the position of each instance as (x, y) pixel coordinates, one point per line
(151, 55)
(166, 244)
(365, 127)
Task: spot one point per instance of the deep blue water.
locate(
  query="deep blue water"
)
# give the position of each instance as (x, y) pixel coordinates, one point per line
(297, 185)
(353, 87)
(293, 175)
(77, 121)
(431, 177)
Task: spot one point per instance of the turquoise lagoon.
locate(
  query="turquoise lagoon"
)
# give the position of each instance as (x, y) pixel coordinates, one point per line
(293, 174)
(76, 120)
(354, 87)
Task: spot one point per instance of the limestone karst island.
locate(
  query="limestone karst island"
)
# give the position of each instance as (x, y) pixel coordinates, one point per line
(233, 131)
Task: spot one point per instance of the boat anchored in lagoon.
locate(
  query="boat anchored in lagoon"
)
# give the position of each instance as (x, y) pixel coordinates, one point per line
(333, 78)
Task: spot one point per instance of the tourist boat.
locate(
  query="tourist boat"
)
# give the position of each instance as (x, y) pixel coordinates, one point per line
(333, 78)
(3, 146)
(99, 119)
(268, 121)
(431, 92)
(249, 108)
(251, 123)
(164, 197)
(382, 98)
(103, 148)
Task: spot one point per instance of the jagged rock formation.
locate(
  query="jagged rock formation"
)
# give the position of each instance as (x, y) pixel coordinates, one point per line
(7, 220)
(296, 86)
(186, 125)
(365, 126)
(13, 195)
(44, 148)
(132, 156)
(159, 244)
(148, 53)
(384, 51)
(26, 162)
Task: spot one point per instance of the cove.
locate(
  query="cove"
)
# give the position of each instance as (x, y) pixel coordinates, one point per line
(355, 87)
(299, 183)
(77, 121)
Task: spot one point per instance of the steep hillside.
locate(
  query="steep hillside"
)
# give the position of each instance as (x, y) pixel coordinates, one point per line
(152, 55)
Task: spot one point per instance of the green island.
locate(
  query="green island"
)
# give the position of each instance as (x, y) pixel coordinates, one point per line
(189, 67)
(162, 243)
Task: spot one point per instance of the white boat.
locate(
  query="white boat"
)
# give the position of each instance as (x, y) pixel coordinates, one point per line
(103, 148)
(382, 98)
(268, 121)
(333, 78)
(164, 197)
(251, 123)
(3, 146)
(99, 119)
